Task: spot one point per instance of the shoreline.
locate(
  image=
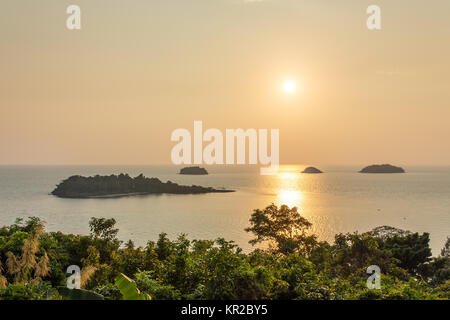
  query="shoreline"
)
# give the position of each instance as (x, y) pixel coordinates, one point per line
(131, 194)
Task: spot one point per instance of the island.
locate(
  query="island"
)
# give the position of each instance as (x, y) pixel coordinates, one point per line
(194, 171)
(123, 185)
(311, 170)
(382, 168)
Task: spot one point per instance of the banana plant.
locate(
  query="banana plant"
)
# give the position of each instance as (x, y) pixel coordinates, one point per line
(129, 290)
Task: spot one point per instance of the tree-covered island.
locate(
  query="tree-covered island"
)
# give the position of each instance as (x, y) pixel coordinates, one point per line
(123, 185)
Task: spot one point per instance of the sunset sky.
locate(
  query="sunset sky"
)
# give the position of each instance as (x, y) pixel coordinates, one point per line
(112, 92)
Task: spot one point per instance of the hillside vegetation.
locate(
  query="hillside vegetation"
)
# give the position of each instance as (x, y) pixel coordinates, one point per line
(295, 265)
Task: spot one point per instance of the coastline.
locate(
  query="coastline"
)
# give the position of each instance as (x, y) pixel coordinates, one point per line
(131, 194)
(25, 191)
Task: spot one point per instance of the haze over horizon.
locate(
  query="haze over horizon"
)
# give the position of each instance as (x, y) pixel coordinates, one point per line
(112, 92)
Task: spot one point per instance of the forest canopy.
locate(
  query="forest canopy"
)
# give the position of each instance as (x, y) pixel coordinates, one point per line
(291, 264)
(123, 184)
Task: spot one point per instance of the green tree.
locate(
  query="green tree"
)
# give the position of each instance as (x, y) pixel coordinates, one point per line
(412, 250)
(352, 253)
(284, 229)
(28, 267)
(103, 229)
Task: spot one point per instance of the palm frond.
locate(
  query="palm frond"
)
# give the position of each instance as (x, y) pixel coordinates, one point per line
(86, 273)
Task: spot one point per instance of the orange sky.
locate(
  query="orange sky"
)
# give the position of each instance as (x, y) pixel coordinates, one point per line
(112, 92)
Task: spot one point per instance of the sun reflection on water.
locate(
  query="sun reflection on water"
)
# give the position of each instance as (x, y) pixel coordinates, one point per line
(291, 198)
(288, 191)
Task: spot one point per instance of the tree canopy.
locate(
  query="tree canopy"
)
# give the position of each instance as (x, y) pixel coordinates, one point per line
(290, 264)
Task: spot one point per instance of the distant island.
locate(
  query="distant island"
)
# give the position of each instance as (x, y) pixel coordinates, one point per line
(382, 168)
(123, 185)
(311, 170)
(193, 170)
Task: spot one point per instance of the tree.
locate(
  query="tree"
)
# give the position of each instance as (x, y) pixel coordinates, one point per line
(445, 252)
(3, 281)
(353, 253)
(164, 247)
(105, 239)
(27, 267)
(412, 250)
(438, 270)
(283, 229)
(102, 228)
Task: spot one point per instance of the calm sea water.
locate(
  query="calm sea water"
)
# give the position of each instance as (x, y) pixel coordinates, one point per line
(340, 200)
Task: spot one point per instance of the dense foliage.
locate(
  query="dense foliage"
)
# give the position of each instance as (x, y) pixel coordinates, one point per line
(194, 170)
(382, 168)
(295, 265)
(122, 184)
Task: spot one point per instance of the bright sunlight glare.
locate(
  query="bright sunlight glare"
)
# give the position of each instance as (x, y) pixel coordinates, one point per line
(289, 86)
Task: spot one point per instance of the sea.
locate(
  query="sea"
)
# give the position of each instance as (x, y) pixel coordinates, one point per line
(340, 200)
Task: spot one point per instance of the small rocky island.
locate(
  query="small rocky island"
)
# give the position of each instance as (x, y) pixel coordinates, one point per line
(123, 185)
(311, 170)
(382, 168)
(194, 171)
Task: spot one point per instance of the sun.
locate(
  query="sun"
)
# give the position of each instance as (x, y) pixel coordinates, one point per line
(289, 86)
